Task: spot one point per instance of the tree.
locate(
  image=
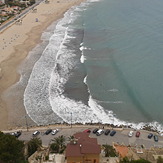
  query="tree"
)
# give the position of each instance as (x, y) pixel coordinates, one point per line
(126, 160)
(58, 145)
(109, 151)
(11, 149)
(71, 138)
(33, 145)
(140, 161)
(160, 160)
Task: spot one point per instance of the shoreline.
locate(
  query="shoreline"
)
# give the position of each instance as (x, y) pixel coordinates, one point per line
(16, 58)
(24, 41)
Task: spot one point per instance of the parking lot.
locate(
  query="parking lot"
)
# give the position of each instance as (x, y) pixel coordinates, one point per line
(121, 136)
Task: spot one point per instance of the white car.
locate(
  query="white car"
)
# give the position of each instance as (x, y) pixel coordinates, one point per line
(36, 133)
(54, 131)
(131, 133)
(99, 132)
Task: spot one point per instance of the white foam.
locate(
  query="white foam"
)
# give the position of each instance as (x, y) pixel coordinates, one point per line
(36, 96)
(82, 48)
(94, 0)
(44, 93)
(113, 90)
(85, 80)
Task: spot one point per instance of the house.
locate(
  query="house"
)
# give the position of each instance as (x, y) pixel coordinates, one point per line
(121, 150)
(83, 149)
(2, 2)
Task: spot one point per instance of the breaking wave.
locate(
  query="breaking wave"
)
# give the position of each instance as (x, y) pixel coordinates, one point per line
(44, 98)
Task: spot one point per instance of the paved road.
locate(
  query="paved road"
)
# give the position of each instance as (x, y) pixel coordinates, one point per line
(121, 136)
(2, 27)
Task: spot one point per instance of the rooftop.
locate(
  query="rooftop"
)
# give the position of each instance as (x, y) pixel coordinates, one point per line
(83, 144)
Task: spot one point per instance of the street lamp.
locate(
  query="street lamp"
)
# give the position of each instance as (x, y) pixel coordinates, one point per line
(71, 119)
(26, 122)
(113, 122)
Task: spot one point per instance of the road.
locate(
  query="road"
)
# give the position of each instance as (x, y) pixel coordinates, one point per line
(2, 27)
(121, 137)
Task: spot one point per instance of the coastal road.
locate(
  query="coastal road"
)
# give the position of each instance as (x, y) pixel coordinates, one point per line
(121, 137)
(7, 24)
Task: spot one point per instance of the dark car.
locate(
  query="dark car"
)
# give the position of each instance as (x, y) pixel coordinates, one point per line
(17, 134)
(150, 136)
(137, 134)
(107, 132)
(95, 130)
(113, 133)
(155, 138)
(48, 131)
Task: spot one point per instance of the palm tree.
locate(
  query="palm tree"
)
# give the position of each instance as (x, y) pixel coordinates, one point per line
(33, 145)
(71, 138)
(58, 145)
(109, 151)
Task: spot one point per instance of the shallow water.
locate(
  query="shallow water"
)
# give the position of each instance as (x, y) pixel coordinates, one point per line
(103, 64)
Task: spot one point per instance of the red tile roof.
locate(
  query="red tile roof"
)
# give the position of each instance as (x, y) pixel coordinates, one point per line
(73, 150)
(122, 150)
(84, 145)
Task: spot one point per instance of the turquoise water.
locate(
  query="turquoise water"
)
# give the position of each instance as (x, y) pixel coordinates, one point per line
(124, 56)
(102, 63)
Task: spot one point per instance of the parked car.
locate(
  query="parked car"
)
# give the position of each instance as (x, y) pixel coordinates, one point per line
(137, 134)
(36, 133)
(155, 138)
(99, 132)
(87, 131)
(48, 131)
(13, 133)
(107, 132)
(131, 133)
(17, 134)
(150, 136)
(95, 130)
(161, 134)
(113, 133)
(54, 131)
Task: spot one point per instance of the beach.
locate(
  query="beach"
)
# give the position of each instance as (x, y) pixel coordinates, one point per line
(16, 42)
(94, 65)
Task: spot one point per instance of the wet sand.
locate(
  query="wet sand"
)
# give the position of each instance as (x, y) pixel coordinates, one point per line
(16, 43)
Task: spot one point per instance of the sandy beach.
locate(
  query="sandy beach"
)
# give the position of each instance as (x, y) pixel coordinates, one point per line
(15, 44)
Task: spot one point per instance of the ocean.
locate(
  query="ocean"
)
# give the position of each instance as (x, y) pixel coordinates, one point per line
(101, 63)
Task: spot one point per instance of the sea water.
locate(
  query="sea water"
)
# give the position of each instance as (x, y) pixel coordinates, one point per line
(103, 63)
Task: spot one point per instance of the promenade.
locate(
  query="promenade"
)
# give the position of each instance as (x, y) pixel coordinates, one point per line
(120, 137)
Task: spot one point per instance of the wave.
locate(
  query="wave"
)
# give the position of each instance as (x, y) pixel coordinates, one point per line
(83, 58)
(44, 97)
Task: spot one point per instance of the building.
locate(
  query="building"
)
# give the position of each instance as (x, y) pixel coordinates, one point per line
(2, 1)
(121, 150)
(83, 149)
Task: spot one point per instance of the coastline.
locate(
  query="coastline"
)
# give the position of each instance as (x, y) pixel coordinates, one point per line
(21, 49)
(18, 41)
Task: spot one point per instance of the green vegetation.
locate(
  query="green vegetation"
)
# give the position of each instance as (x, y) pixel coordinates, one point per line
(2, 5)
(109, 151)
(11, 149)
(32, 2)
(58, 145)
(33, 145)
(160, 160)
(126, 160)
(13, 3)
(71, 138)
